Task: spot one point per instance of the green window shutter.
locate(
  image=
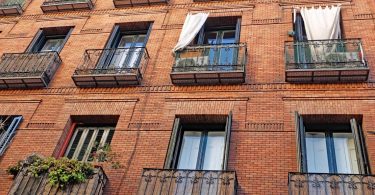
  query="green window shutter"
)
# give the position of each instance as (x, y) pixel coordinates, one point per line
(171, 154)
(301, 143)
(228, 127)
(8, 135)
(360, 147)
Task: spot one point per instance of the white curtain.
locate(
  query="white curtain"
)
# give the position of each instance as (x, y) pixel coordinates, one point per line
(193, 24)
(322, 24)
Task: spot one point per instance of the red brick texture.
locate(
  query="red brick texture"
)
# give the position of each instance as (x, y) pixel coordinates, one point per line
(263, 143)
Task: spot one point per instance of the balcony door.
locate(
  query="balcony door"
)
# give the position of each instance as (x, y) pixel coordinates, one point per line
(129, 51)
(53, 44)
(125, 48)
(50, 40)
(332, 148)
(199, 145)
(222, 53)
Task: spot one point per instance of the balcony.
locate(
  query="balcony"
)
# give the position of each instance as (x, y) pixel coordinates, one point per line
(210, 64)
(25, 184)
(327, 184)
(131, 3)
(325, 61)
(66, 5)
(11, 7)
(187, 182)
(111, 67)
(28, 70)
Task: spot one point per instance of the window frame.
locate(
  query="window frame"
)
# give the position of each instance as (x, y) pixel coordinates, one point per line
(359, 141)
(175, 141)
(91, 145)
(7, 136)
(40, 39)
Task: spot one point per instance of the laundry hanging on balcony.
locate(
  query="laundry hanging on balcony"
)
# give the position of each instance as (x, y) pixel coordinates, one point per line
(192, 25)
(322, 23)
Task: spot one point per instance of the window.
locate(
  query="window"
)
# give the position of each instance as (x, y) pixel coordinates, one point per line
(126, 46)
(50, 39)
(331, 147)
(199, 145)
(86, 140)
(8, 127)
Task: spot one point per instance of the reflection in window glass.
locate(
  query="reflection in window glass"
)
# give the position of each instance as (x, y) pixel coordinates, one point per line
(189, 150)
(346, 158)
(214, 151)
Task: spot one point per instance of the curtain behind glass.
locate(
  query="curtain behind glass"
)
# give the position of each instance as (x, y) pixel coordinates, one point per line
(214, 151)
(316, 150)
(189, 150)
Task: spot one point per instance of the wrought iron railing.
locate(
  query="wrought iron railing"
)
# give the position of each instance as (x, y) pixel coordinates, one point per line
(325, 54)
(215, 58)
(184, 182)
(114, 61)
(25, 184)
(29, 64)
(330, 184)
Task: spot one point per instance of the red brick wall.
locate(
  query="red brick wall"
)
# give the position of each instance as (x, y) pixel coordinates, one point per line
(263, 147)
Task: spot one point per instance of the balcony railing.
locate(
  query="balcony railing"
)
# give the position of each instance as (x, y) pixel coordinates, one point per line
(25, 184)
(11, 7)
(330, 184)
(111, 67)
(187, 182)
(65, 5)
(210, 64)
(131, 3)
(28, 70)
(325, 61)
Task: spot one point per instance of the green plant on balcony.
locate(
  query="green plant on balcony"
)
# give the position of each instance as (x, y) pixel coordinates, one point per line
(60, 172)
(106, 155)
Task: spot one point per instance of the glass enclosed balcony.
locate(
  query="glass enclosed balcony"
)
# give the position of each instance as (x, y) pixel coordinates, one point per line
(324, 61)
(184, 182)
(111, 67)
(28, 70)
(66, 5)
(210, 64)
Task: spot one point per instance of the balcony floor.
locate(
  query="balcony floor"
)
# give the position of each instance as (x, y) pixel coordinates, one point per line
(23, 82)
(64, 6)
(326, 75)
(106, 80)
(10, 10)
(207, 77)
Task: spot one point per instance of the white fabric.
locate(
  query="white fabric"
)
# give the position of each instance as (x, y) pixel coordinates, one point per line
(322, 23)
(191, 27)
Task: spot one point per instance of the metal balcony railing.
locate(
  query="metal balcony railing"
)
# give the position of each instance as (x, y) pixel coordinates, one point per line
(187, 182)
(64, 5)
(330, 184)
(131, 3)
(210, 64)
(325, 61)
(111, 67)
(28, 70)
(25, 184)
(11, 7)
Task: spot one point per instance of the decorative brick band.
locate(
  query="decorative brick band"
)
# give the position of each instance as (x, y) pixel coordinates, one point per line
(40, 125)
(264, 126)
(141, 125)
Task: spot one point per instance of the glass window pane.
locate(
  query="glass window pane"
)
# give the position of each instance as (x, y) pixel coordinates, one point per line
(52, 45)
(316, 149)
(99, 136)
(85, 145)
(229, 36)
(189, 150)
(74, 143)
(214, 151)
(346, 157)
(210, 38)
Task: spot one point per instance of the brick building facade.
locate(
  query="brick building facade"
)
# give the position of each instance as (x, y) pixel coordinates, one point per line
(264, 127)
